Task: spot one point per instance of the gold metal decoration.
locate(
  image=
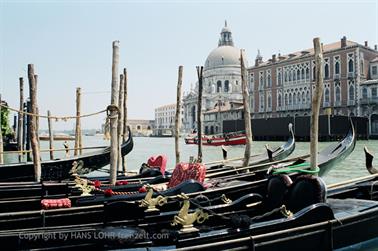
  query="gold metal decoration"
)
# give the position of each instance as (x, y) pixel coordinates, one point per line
(82, 184)
(150, 202)
(187, 219)
(285, 212)
(225, 199)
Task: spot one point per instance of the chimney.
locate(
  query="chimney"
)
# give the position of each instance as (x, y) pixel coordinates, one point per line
(366, 44)
(343, 42)
(274, 58)
(375, 47)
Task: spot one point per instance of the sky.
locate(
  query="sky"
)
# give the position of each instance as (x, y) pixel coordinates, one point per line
(70, 44)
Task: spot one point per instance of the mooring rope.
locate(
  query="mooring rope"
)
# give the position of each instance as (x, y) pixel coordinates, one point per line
(56, 118)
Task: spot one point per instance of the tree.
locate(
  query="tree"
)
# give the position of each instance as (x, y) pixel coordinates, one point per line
(5, 127)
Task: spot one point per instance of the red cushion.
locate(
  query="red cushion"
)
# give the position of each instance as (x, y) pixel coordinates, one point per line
(159, 161)
(186, 171)
(58, 203)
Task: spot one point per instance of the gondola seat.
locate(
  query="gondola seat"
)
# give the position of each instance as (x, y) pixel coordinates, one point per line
(158, 162)
(187, 171)
(55, 203)
(305, 191)
(276, 190)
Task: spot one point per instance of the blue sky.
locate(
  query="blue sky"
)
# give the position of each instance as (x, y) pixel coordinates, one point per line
(70, 44)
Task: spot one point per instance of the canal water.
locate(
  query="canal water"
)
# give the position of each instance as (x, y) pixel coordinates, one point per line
(145, 147)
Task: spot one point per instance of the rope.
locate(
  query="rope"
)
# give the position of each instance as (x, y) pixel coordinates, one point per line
(54, 150)
(57, 118)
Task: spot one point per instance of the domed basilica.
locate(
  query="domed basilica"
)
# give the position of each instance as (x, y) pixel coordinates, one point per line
(221, 86)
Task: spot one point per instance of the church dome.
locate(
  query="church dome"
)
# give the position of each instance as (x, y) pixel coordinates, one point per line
(223, 56)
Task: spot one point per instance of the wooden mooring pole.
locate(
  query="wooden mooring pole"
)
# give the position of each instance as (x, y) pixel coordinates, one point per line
(178, 115)
(247, 114)
(113, 110)
(28, 133)
(199, 112)
(78, 127)
(316, 100)
(125, 131)
(120, 121)
(51, 136)
(36, 110)
(33, 124)
(20, 124)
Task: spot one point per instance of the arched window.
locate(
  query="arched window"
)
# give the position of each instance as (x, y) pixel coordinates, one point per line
(294, 99)
(269, 80)
(279, 77)
(303, 74)
(308, 97)
(226, 86)
(299, 74)
(337, 67)
(286, 99)
(261, 82)
(219, 86)
(279, 100)
(294, 76)
(326, 71)
(307, 73)
(326, 96)
(290, 76)
(269, 101)
(350, 65)
(351, 92)
(303, 98)
(338, 94)
(313, 73)
(285, 76)
(290, 99)
(364, 93)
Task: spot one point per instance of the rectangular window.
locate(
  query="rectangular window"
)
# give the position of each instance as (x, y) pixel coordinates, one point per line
(374, 92)
(374, 70)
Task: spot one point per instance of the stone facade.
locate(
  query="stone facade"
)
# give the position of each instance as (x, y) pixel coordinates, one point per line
(282, 86)
(221, 83)
(141, 127)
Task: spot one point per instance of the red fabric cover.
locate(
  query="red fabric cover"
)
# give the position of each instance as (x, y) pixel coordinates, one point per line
(159, 161)
(186, 171)
(55, 203)
(108, 192)
(97, 183)
(142, 190)
(122, 182)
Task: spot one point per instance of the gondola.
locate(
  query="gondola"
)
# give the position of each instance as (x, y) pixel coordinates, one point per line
(60, 169)
(150, 176)
(233, 186)
(226, 139)
(312, 224)
(270, 155)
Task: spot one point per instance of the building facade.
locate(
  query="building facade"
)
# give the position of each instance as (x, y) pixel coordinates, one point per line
(282, 86)
(141, 127)
(165, 120)
(221, 84)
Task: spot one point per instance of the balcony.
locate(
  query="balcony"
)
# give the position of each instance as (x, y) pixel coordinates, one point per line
(368, 101)
(350, 74)
(337, 103)
(336, 76)
(326, 104)
(351, 102)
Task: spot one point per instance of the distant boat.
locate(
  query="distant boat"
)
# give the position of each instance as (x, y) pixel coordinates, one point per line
(234, 138)
(58, 136)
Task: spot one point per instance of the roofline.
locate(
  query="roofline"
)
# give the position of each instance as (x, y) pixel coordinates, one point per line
(311, 55)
